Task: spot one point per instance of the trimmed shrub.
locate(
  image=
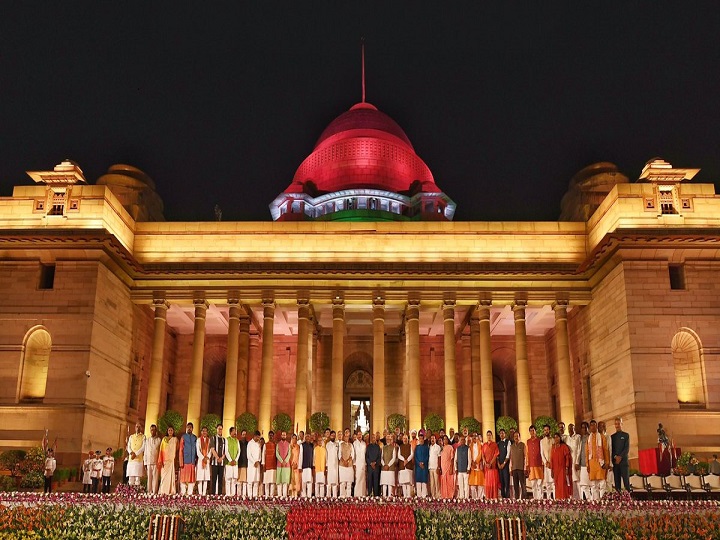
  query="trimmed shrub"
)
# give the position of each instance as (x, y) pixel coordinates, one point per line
(319, 422)
(246, 421)
(282, 422)
(433, 423)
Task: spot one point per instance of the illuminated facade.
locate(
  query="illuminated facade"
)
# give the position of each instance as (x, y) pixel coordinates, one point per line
(362, 290)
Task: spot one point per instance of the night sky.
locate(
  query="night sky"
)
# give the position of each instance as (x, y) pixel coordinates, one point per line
(221, 105)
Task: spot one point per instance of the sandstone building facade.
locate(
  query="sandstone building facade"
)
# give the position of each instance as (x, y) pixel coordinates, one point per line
(361, 291)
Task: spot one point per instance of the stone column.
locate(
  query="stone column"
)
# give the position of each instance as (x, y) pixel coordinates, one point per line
(338, 358)
(412, 353)
(312, 369)
(378, 399)
(486, 376)
(196, 366)
(451, 405)
(564, 379)
(254, 368)
(243, 376)
(266, 369)
(466, 383)
(522, 369)
(301, 370)
(475, 365)
(156, 365)
(231, 366)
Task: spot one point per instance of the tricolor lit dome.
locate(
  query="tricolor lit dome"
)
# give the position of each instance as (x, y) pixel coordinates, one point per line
(363, 167)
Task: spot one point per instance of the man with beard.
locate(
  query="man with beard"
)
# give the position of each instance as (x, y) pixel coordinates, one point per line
(333, 465)
(284, 472)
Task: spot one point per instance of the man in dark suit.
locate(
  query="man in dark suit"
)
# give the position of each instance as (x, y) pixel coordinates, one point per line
(620, 449)
(373, 456)
(503, 462)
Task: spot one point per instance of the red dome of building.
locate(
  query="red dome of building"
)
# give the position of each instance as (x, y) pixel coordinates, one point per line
(363, 148)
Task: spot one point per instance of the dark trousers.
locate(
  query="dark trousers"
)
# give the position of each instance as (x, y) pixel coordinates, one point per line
(106, 484)
(86, 488)
(217, 474)
(505, 481)
(519, 483)
(125, 476)
(95, 485)
(373, 481)
(48, 484)
(621, 471)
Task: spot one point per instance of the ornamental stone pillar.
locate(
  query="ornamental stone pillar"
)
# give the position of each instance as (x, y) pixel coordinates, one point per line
(152, 412)
(266, 368)
(243, 373)
(412, 335)
(338, 358)
(486, 376)
(564, 379)
(196, 366)
(475, 365)
(451, 405)
(522, 369)
(378, 399)
(231, 365)
(301, 370)
(466, 382)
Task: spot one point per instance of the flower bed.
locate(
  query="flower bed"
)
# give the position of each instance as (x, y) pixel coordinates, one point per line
(126, 514)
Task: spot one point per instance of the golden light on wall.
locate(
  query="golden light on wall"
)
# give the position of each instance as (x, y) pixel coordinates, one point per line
(34, 365)
(689, 377)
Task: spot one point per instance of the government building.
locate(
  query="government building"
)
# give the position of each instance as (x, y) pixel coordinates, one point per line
(360, 297)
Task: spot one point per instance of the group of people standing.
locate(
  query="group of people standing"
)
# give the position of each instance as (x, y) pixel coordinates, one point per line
(345, 464)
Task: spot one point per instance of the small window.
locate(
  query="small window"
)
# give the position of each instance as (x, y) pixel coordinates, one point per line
(47, 276)
(677, 277)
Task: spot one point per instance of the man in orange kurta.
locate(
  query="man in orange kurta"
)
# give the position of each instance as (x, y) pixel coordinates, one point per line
(534, 464)
(560, 465)
(597, 460)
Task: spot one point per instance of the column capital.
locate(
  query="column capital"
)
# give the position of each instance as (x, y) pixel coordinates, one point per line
(412, 311)
(233, 301)
(244, 322)
(483, 310)
(201, 306)
(268, 308)
(448, 309)
(303, 309)
(560, 309)
(338, 310)
(518, 308)
(234, 312)
(160, 307)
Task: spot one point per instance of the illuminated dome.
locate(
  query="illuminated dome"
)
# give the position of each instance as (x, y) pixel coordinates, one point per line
(363, 167)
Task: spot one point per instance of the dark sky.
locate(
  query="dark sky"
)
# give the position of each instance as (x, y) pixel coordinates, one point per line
(221, 104)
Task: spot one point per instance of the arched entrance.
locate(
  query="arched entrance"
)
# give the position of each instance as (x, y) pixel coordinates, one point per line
(358, 394)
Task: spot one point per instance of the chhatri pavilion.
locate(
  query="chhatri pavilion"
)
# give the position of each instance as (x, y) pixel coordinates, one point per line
(361, 298)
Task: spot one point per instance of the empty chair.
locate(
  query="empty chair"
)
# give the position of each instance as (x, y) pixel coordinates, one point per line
(654, 484)
(694, 484)
(674, 484)
(637, 483)
(712, 483)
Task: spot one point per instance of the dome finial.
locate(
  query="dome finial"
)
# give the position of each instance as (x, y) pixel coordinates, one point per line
(362, 58)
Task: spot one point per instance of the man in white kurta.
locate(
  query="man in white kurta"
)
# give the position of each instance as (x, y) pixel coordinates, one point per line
(254, 455)
(546, 443)
(150, 458)
(347, 465)
(232, 454)
(333, 465)
(360, 447)
(135, 450)
(573, 441)
(202, 470)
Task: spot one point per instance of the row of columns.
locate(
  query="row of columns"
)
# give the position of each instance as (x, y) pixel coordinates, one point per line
(236, 376)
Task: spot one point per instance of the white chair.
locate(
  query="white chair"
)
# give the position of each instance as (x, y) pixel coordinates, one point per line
(694, 484)
(674, 484)
(637, 484)
(655, 484)
(712, 483)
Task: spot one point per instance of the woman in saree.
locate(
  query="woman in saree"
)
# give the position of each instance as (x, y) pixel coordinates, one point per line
(166, 462)
(447, 459)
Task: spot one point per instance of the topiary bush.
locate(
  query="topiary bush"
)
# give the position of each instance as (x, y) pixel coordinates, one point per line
(32, 480)
(171, 418)
(246, 421)
(34, 461)
(7, 483)
(472, 425)
(433, 423)
(319, 422)
(507, 423)
(397, 420)
(540, 421)
(281, 422)
(211, 422)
